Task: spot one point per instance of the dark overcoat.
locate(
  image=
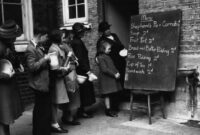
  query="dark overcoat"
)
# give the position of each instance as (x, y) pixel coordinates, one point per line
(87, 95)
(10, 103)
(116, 47)
(108, 83)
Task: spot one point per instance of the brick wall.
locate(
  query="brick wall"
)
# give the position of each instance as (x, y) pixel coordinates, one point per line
(190, 19)
(189, 55)
(60, 13)
(26, 94)
(100, 9)
(91, 36)
(90, 40)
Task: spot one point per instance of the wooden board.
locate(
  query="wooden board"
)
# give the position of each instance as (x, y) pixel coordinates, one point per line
(152, 52)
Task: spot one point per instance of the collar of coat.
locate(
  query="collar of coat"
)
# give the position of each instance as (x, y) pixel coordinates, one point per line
(59, 50)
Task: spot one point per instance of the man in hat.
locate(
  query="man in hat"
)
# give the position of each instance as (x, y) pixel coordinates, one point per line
(86, 89)
(116, 47)
(10, 104)
(38, 65)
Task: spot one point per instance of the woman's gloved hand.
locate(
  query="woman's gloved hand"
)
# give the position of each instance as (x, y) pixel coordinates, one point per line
(92, 76)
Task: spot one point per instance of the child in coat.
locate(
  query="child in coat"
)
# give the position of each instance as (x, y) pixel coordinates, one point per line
(109, 76)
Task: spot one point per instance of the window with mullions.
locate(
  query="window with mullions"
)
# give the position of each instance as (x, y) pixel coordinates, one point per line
(75, 11)
(11, 9)
(20, 11)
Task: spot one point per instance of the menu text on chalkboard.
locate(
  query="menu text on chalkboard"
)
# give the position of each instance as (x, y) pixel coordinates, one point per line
(152, 52)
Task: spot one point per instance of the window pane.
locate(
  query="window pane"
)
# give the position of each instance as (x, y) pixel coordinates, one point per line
(71, 2)
(13, 12)
(72, 12)
(81, 11)
(80, 1)
(13, 1)
(45, 13)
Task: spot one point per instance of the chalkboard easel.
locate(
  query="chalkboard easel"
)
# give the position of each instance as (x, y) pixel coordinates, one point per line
(153, 50)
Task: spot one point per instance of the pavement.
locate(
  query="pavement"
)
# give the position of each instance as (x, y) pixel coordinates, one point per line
(103, 125)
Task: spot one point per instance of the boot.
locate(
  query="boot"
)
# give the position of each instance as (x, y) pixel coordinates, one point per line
(109, 113)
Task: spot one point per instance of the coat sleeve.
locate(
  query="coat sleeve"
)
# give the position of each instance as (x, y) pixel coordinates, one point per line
(33, 63)
(83, 59)
(104, 68)
(14, 59)
(4, 76)
(121, 46)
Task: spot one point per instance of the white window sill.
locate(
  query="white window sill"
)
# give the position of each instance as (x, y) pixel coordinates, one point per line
(20, 46)
(69, 26)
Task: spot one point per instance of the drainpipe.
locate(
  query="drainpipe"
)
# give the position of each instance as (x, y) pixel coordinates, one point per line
(193, 82)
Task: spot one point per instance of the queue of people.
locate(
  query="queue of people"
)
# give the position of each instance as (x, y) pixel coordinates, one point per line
(60, 76)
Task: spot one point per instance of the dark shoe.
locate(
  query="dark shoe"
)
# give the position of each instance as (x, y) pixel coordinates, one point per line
(58, 130)
(86, 115)
(109, 113)
(115, 113)
(73, 123)
(83, 114)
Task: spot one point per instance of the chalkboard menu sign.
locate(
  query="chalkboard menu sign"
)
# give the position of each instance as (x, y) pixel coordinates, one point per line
(152, 52)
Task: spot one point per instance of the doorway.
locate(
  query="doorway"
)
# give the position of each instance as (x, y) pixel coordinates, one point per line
(118, 13)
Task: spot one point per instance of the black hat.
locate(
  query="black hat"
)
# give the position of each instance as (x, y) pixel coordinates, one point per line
(10, 30)
(78, 27)
(103, 26)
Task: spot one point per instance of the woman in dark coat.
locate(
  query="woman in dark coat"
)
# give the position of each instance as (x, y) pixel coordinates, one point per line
(10, 104)
(86, 89)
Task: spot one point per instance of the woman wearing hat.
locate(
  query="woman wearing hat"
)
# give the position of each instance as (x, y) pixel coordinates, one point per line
(86, 89)
(10, 105)
(116, 48)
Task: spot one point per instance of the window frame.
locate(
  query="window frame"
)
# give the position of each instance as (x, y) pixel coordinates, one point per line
(69, 22)
(27, 20)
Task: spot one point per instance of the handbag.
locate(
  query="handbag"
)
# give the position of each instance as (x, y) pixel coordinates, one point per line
(71, 81)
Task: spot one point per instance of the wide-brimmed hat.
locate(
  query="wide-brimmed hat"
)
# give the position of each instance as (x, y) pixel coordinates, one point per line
(103, 26)
(10, 30)
(78, 27)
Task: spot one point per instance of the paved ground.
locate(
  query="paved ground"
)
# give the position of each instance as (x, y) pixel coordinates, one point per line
(102, 125)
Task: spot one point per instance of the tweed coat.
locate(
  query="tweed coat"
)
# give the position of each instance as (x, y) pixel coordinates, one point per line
(38, 68)
(57, 78)
(108, 83)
